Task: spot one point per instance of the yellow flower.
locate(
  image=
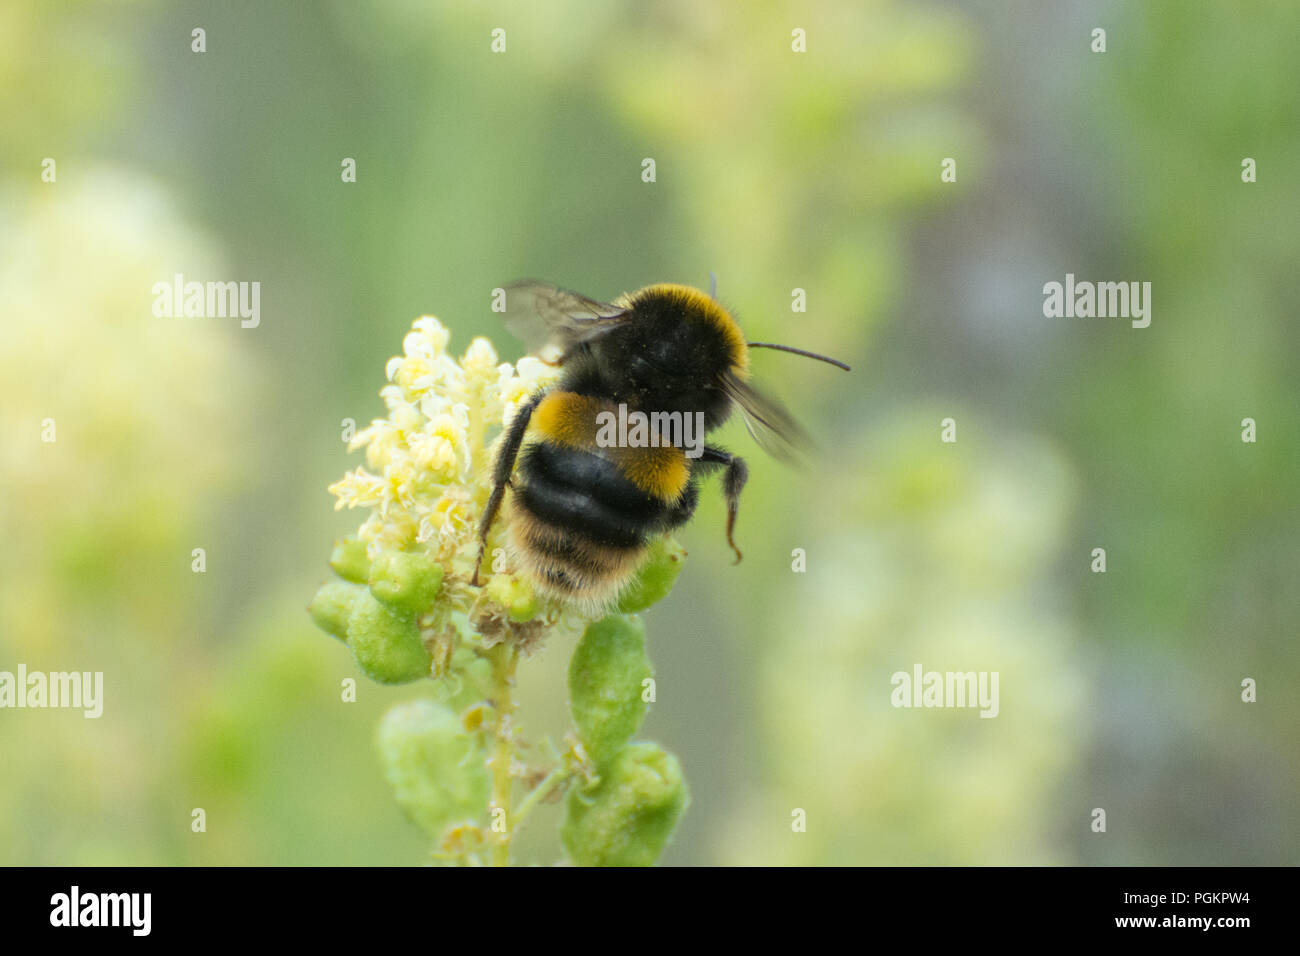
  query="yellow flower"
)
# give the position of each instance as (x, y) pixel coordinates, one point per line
(427, 474)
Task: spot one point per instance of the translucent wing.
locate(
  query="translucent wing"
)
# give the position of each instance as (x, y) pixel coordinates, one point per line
(773, 428)
(541, 315)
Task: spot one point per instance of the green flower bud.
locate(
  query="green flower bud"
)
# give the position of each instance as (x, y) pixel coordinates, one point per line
(405, 580)
(514, 594)
(434, 766)
(349, 560)
(606, 675)
(386, 642)
(628, 817)
(655, 578)
(332, 607)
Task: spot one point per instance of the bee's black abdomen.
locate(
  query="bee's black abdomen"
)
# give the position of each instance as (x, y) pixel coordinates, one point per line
(585, 493)
(581, 525)
(681, 512)
(577, 511)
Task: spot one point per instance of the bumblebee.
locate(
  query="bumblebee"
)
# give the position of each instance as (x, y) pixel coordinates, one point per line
(584, 509)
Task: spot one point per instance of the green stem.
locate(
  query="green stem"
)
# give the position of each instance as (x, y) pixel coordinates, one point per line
(504, 658)
(541, 792)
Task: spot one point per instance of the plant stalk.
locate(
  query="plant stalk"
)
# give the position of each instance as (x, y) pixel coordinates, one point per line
(504, 659)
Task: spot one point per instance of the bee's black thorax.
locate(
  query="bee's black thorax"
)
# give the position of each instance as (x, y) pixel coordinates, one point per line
(666, 359)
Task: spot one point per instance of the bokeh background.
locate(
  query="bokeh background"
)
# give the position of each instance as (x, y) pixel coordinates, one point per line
(776, 171)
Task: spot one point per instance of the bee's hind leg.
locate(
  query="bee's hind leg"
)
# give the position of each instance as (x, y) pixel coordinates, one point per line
(733, 480)
(501, 472)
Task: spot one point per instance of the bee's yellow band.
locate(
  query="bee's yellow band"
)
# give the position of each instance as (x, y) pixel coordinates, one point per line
(569, 419)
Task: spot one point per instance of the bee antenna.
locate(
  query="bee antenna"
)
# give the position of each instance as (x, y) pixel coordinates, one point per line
(811, 355)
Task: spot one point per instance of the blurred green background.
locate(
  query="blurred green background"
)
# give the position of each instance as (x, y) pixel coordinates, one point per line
(776, 171)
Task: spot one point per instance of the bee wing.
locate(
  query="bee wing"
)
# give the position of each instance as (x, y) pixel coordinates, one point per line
(540, 315)
(773, 428)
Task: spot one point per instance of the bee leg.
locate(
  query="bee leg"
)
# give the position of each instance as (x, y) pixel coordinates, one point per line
(504, 468)
(733, 480)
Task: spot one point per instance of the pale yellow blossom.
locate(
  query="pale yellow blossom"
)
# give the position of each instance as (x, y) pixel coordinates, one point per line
(426, 478)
